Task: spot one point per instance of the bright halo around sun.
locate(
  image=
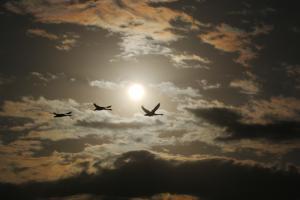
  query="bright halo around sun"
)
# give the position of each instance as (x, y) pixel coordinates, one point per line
(136, 92)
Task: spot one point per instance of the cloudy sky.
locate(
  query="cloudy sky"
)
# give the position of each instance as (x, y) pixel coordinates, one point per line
(226, 73)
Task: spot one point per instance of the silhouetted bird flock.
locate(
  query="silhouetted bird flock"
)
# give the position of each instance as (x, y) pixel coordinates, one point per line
(100, 108)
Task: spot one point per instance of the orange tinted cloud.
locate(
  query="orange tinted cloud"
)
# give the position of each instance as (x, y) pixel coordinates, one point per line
(231, 39)
(127, 16)
(245, 86)
(42, 33)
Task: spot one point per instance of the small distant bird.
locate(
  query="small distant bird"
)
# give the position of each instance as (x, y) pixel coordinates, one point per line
(98, 108)
(68, 114)
(152, 112)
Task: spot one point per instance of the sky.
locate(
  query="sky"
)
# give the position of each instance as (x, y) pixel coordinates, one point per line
(226, 75)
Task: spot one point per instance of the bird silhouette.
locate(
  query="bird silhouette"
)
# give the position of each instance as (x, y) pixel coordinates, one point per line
(99, 108)
(68, 114)
(152, 112)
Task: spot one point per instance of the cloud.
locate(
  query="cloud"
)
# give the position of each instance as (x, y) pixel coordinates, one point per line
(145, 26)
(135, 45)
(246, 86)
(172, 133)
(67, 42)
(71, 145)
(293, 72)
(117, 125)
(64, 42)
(167, 196)
(42, 33)
(276, 108)
(131, 177)
(4, 80)
(201, 148)
(175, 92)
(189, 61)
(166, 88)
(109, 85)
(206, 86)
(12, 128)
(236, 129)
(45, 78)
(132, 18)
(234, 40)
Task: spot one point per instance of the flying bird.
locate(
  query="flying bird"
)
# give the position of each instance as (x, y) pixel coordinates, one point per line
(98, 108)
(68, 114)
(152, 112)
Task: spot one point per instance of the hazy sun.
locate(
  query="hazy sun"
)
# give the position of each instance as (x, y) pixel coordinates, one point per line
(136, 92)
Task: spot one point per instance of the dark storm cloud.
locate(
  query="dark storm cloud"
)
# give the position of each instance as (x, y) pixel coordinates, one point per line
(140, 173)
(237, 129)
(73, 145)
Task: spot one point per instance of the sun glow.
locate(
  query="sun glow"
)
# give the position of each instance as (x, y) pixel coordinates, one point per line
(136, 92)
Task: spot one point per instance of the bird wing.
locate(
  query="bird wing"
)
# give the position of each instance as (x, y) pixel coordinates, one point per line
(156, 107)
(96, 106)
(145, 110)
(68, 113)
(108, 106)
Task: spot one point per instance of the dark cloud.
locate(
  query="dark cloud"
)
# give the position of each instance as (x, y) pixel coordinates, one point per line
(237, 129)
(141, 174)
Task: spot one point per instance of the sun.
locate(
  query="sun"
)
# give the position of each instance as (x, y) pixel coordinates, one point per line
(136, 92)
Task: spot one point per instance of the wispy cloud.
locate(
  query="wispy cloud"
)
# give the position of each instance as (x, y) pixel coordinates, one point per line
(206, 86)
(293, 72)
(176, 93)
(42, 33)
(132, 18)
(6, 79)
(189, 61)
(230, 39)
(144, 28)
(246, 86)
(275, 108)
(109, 85)
(63, 42)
